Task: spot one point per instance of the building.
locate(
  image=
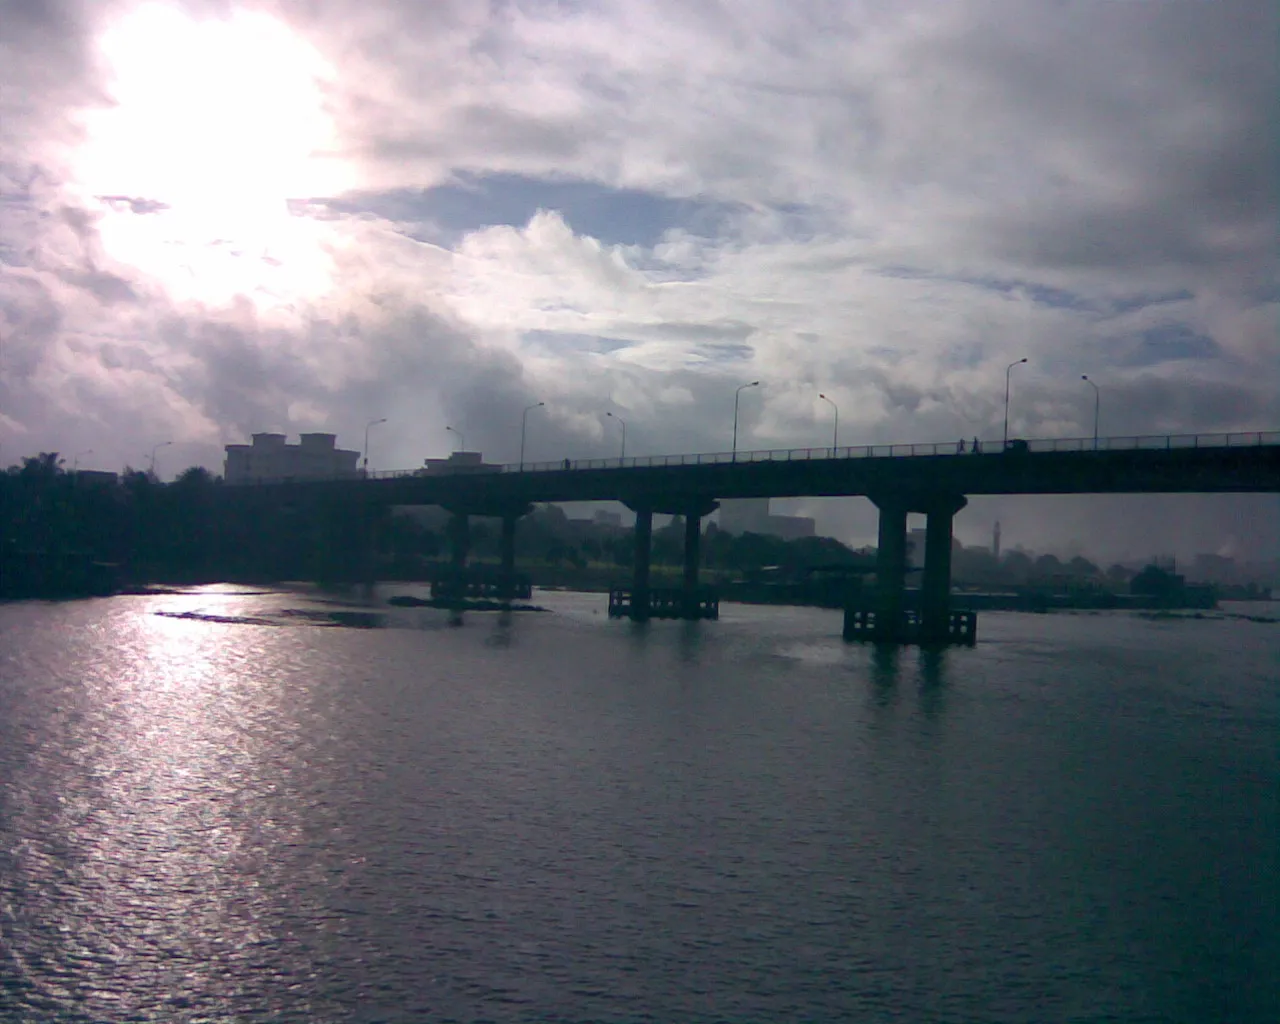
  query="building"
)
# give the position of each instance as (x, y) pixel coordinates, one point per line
(315, 457)
(751, 515)
(458, 462)
(1214, 569)
(745, 515)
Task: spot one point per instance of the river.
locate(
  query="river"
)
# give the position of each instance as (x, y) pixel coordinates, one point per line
(274, 810)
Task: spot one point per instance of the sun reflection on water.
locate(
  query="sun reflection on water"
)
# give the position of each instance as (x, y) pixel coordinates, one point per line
(161, 838)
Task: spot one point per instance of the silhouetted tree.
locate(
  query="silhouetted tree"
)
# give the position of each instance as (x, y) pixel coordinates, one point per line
(1081, 566)
(1048, 565)
(1018, 565)
(1155, 582)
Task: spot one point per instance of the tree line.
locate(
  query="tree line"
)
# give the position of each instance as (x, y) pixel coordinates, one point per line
(66, 533)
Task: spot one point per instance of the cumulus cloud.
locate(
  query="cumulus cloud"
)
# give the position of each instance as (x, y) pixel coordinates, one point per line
(442, 212)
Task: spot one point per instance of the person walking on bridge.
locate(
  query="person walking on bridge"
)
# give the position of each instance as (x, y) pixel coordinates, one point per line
(960, 447)
(977, 447)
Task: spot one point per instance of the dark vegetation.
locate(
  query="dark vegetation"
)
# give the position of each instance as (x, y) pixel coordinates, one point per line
(65, 534)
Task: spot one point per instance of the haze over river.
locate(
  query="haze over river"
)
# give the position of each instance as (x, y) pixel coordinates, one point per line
(268, 813)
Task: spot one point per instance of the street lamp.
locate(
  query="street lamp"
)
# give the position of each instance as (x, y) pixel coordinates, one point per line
(524, 419)
(835, 430)
(162, 444)
(623, 453)
(1097, 404)
(1008, 370)
(75, 462)
(371, 423)
(736, 395)
(462, 440)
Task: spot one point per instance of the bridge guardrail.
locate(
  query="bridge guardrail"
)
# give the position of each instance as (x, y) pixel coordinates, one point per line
(1235, 439)
(1069, 444)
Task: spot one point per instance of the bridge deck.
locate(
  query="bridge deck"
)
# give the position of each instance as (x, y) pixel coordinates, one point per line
(1177, 463)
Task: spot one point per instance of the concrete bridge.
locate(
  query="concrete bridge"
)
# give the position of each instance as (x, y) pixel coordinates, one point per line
(933, 479)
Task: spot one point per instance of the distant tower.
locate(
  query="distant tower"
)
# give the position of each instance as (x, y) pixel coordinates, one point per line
(995, 540)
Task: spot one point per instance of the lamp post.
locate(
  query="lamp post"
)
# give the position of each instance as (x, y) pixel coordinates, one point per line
(75, 461)
(371, 423)
(524, 419)
(1097, 405)
(162, 444)
(835, 430)
(622, 454)
(1007, 372)
(462, 440)
(736, 395)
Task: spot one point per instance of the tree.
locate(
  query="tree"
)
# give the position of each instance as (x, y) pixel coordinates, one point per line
(1118, 574)
(1155, 582)
(1081, 566)
(1048, 565)
(1018, 565)
(43, 467)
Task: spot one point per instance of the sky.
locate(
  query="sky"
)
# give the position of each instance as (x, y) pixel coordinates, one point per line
(218, 218)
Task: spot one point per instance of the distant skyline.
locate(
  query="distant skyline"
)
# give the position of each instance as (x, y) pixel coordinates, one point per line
(218, 218)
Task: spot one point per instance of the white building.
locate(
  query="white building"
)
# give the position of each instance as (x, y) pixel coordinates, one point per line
(751, 515)
(458, 462)
(315, 457)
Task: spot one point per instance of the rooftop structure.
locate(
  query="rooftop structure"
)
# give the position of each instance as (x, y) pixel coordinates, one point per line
(270, 457)
(458, 462)
(752, 515)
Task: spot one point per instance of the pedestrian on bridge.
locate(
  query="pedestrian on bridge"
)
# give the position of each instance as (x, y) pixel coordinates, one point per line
(977, 447)
(960, 447)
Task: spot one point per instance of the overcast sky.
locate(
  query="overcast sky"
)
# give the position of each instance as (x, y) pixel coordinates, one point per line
(220, 218)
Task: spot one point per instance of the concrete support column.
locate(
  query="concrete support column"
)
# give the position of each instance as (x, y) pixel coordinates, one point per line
(508, 578)
(935, 595)
(640, 578)
(891, 569)
(371, 551)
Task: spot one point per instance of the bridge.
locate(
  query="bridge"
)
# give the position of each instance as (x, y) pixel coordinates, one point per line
(933, 479)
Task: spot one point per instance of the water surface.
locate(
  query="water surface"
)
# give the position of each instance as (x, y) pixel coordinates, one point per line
(260, 806)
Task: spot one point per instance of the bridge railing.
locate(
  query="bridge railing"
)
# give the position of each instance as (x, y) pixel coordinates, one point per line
(1241, 439)
(939, 448)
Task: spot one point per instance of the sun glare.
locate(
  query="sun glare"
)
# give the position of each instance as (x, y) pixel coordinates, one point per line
(222, 121)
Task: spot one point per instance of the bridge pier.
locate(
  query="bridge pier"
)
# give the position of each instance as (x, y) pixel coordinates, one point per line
(935, 590)
(694, 599)
(507, 575)
(891, 569)
(461, 580)
(640, 575)
(892, 622)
